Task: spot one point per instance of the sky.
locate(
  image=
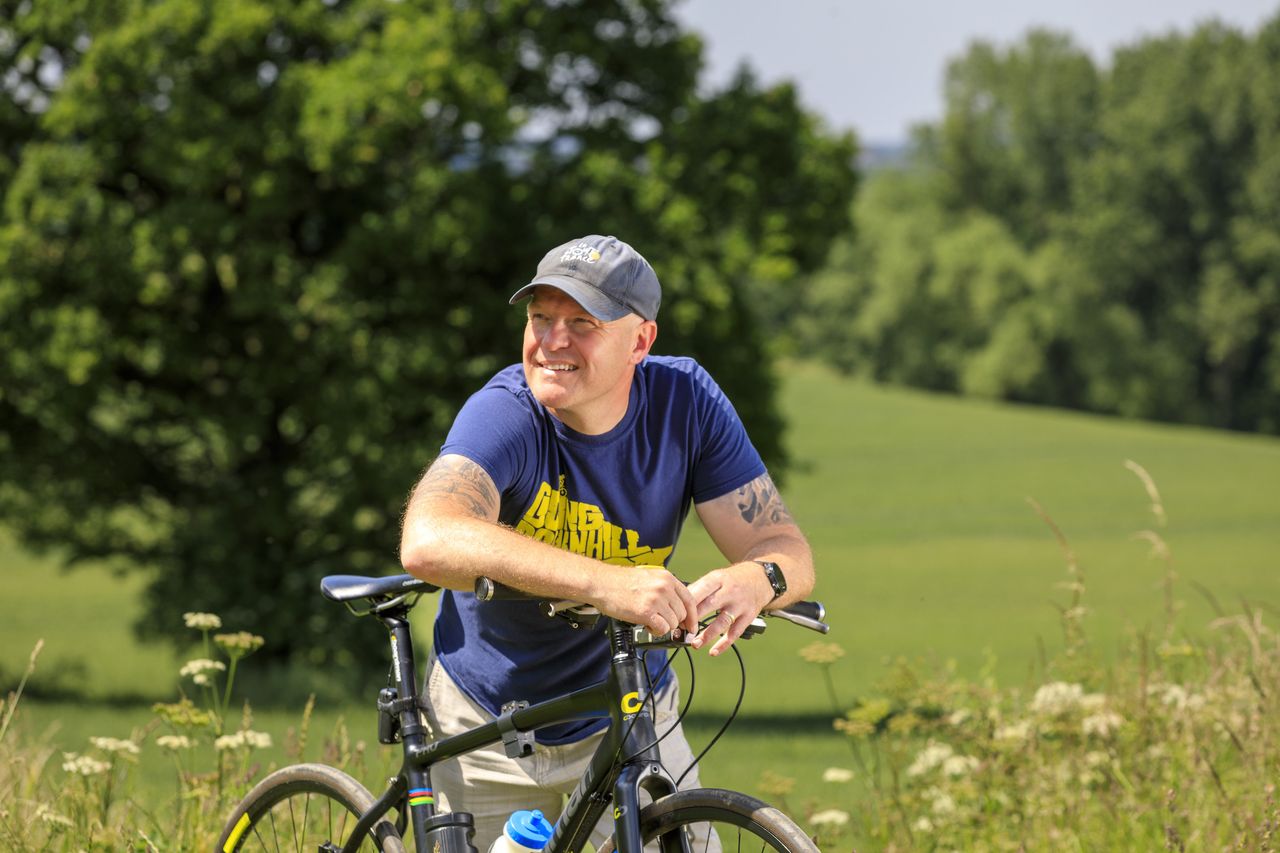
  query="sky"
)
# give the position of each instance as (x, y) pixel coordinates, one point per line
(877, 67)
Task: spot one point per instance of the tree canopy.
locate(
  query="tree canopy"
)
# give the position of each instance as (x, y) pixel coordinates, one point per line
(1099, 237)
(254, 254)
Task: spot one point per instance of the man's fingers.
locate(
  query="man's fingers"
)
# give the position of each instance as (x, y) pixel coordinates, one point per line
(731, 634)
(720, 625)
(690, 620)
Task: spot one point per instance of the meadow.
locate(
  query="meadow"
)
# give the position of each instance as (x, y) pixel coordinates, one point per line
(928, 553)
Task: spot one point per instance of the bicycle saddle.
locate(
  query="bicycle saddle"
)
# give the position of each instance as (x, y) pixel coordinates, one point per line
(350, 587)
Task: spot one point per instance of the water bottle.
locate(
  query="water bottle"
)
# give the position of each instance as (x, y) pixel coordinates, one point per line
(525, 832)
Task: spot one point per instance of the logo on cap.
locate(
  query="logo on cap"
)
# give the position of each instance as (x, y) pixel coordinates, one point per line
(581, 252)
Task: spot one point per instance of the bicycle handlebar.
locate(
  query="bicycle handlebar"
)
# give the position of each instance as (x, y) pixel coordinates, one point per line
(806, 614)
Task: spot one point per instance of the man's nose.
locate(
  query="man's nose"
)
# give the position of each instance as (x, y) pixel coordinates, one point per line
(556, 335)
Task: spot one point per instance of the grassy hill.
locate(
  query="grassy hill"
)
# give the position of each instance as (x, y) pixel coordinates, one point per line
(926, 546)
(927, 549)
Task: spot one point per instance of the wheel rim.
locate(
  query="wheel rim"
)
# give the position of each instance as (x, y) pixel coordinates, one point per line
(710, 829)
(302, 818)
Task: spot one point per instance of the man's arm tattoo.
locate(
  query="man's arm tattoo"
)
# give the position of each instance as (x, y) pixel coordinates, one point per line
(759, 503)
(464, 483)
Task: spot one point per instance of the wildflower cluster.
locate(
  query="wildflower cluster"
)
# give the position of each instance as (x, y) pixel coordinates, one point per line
(1149, 752)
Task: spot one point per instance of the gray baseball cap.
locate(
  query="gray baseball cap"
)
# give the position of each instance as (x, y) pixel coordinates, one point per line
(603, 274)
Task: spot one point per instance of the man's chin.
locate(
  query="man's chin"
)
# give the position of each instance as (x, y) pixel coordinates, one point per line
(548, 393)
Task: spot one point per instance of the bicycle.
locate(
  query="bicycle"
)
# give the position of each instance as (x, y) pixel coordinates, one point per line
(625, 763)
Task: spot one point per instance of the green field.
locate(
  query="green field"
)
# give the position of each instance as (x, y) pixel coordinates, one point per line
(926, 549)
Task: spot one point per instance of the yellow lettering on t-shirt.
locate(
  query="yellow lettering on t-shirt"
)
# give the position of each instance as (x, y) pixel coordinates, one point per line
(581, 528)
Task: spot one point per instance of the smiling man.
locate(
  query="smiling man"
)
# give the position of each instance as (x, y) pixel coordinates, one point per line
(569, 476)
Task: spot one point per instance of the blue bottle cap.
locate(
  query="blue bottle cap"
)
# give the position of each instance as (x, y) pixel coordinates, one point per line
(529, 829)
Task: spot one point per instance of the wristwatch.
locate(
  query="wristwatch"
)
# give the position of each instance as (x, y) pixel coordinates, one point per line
(774, 574)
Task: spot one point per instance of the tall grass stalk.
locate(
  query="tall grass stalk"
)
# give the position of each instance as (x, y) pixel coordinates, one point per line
(1175, 746)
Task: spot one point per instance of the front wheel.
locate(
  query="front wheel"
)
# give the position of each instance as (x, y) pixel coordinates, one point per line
(711, 819)
(305, 807)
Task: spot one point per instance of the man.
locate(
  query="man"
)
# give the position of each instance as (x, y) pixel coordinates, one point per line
(569, 476)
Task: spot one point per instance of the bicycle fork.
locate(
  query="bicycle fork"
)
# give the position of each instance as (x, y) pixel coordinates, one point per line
(633, 736)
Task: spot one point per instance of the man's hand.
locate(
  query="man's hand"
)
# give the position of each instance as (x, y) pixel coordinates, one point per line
(647, 595)
(739, 592)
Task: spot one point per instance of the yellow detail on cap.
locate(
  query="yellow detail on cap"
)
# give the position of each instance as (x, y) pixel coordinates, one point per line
(234, 838)
(631, 703)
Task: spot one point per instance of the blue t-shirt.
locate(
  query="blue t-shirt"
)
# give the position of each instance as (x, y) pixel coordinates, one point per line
(620, 497)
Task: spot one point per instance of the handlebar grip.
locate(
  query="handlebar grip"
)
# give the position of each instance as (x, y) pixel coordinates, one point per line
(808, 609)
(806, 614)
(488, 589)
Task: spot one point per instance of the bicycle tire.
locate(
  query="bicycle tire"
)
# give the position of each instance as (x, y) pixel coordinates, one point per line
(747, 816)
(299, 802)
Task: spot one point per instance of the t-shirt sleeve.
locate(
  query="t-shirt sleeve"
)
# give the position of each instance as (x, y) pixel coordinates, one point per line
(727, 459)
(492, 430)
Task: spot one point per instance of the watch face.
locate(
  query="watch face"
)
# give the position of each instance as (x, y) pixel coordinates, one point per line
(774, 574)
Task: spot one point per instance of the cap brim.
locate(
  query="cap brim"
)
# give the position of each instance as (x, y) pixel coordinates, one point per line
(597, 304)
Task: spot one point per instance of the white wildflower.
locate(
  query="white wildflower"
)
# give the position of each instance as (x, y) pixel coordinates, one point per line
(1057, 698)
(1014, 733)
(1175, 696)
(200, 666)
(243, 738)
(110, 744)
(959, 765)
(1101, 724)
(922, 825)
(830, 817)
(930, 757)
(202, 621)
(47, 815)
(202, 679)
(257, 740)
(943, 804)
(226, 742)
(83, 765)
(174, 742)
(1096, 759)
(837, 774)
(239, 643)
(960, 717)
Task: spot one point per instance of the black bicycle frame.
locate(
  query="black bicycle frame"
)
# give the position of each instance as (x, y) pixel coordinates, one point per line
(626, 762)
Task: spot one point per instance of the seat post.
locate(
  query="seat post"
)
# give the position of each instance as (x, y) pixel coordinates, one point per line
(422, 802)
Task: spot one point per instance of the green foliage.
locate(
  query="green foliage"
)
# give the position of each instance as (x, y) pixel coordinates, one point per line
(1172, 745)
(255, 254)
(93, 799)
(1099, 238)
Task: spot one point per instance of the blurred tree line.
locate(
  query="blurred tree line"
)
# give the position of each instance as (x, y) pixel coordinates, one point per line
(254, 254)
(1101, 238)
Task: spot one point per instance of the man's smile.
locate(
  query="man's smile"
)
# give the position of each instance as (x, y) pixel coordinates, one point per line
(557, 366)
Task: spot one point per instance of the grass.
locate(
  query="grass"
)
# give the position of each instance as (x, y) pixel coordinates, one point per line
(927, 550)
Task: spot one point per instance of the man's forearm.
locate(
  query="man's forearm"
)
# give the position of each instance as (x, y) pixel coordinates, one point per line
(794, 558)
(453, 552)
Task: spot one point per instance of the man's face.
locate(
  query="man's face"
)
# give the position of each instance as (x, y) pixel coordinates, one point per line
(578, 366)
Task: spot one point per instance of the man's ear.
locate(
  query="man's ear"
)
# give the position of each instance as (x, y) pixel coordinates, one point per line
(646, 334)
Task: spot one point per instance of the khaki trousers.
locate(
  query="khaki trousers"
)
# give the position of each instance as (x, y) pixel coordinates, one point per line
(491, 786)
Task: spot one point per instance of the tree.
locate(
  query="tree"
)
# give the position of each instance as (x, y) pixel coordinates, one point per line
(255, 254)
(1104, 240)
(1017, 124)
